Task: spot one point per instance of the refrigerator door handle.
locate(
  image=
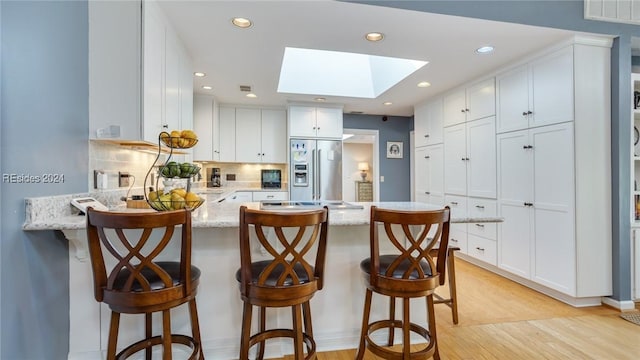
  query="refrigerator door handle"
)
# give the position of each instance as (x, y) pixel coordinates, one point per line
(313, 179)
(318, 166)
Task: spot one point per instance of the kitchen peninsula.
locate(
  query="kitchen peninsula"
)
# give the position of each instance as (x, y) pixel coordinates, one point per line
(337, 308)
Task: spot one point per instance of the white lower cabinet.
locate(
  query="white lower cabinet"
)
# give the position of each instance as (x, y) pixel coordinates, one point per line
(481, 249)
(536, 184)
(270, 195)
(240, 196)
(477, 240)
(429, 179)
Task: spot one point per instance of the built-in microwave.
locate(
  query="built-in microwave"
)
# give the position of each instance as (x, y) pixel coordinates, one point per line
(271, 178)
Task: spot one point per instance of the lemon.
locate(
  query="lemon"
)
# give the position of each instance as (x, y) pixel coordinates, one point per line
(175, 138)
(192, 199)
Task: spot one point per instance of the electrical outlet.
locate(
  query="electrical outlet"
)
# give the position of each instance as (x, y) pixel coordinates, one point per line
(123, 179)
(231, 177)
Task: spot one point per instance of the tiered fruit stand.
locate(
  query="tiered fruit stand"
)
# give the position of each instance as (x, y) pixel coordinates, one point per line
(175, 198)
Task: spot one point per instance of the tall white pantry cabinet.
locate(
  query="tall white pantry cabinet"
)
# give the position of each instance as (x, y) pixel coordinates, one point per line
(552, 172)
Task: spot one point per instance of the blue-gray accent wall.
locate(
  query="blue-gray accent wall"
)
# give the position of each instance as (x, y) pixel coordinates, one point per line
(569, 15)
(45, 128)
(397, 183)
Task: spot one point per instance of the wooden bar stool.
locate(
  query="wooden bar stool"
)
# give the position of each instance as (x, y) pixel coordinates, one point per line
(290, 276)
(138, 283)
(452, 301)
(409, 274)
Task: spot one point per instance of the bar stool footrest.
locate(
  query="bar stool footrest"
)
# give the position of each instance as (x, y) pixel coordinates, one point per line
(386, 353)
(157, 340)
(280, 333)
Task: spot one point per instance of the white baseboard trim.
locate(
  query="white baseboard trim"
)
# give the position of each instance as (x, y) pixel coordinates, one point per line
(624, 305)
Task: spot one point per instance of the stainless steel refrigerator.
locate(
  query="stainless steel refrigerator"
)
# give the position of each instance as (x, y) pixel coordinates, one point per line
(315, 168)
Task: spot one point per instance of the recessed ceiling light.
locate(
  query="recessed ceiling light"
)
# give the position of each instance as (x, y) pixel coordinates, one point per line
(199, 74)
(252, 95)
(424, 84)
(484, 49)
(207, 87)
(320, 99)
(241, 22)
(374, 36)
(387, 103)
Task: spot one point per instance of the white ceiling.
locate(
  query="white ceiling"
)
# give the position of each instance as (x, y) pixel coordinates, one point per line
(232, 57)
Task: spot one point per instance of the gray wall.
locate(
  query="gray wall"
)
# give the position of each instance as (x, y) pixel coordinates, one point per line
(397, 182)
(44, 112)
(569, 14)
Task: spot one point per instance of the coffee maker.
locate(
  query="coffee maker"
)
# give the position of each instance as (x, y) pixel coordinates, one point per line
(214, 180)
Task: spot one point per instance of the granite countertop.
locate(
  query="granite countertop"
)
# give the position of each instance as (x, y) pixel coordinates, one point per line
(56, 213)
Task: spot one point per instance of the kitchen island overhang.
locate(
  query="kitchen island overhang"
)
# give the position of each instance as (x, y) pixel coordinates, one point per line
(337, 309)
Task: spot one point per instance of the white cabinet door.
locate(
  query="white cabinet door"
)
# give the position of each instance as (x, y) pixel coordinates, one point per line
(203, 127)
(540, 93)
(552, 88)
(274, 136)
(481, 150)
(429, 181)
(455, 160)
(302, 121)
(481, 100)
(420, 124)
(512, 100)
(329, 122)
(454, 108)
(227, 137)
(153, 68)
(515, 196)
(172, 82)
(248, 135)
(554, 263)
(428, 122)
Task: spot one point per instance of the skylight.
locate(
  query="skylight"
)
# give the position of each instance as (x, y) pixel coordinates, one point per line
(320, 72)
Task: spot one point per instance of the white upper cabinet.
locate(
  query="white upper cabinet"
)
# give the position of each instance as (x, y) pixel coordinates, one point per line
(474, 102)
(250, 135)
(203, 114)
(227, 134)
(115, 81)
(428, 123)
(168, 81)
(536, 94)
(309, 121)
(274, 138)
(261, 135)
(470, 158)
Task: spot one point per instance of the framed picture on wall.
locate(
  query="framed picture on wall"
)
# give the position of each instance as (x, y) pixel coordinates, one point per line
(394, 149)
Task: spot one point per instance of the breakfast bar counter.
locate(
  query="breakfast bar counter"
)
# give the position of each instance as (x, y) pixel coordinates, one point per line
(337, 308)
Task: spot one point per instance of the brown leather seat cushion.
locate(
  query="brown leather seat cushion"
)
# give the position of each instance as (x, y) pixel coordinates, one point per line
(387, 260)
(259, 266)
(171, 267)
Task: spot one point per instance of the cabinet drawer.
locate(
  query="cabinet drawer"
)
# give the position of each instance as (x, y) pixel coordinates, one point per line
(270, 195)
(457, 204)
(481, 249)
(458, 236)
(482, 208)
(485, 230)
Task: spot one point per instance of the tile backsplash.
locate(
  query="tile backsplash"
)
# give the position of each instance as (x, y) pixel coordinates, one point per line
(111, 159)
(246, 175)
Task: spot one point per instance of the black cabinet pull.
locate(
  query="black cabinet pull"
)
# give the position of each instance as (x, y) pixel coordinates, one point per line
(461, 110)
(480, 206)
(427, 192)
(453, 240)
(528, 204)
(529, 112)
(480, 225)
(527, 147)
(454, 203)
(426, 135)
(479, 249)
(524, 113)
(427, 157)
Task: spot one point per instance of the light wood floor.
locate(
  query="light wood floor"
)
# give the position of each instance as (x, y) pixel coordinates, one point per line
(500, 319)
